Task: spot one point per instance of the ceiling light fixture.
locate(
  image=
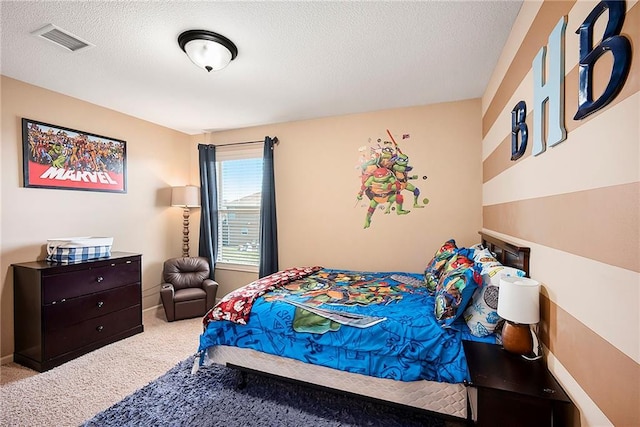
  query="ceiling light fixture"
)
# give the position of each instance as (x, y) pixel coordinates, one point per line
(207, 49)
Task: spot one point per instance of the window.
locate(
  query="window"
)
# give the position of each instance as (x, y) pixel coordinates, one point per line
(239, 179)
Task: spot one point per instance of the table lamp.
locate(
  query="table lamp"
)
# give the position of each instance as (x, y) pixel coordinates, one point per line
(519, 306)
(185, 197)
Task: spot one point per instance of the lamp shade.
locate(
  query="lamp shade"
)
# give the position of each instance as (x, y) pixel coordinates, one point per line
(519, 300)
(186, 197)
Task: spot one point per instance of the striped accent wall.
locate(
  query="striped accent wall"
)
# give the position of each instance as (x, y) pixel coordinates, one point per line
(577, 205)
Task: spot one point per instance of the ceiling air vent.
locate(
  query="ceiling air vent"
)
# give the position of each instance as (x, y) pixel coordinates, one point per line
(61, 38)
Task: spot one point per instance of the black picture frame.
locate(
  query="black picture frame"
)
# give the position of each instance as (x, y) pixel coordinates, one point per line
(61, 158)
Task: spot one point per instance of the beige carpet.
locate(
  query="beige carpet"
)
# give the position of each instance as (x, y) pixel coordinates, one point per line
(79, 389)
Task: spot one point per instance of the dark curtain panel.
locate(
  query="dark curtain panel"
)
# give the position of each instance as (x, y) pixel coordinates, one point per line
(268, 225)
(209, 203)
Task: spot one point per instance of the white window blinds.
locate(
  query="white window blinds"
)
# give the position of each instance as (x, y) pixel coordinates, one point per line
(239, 178)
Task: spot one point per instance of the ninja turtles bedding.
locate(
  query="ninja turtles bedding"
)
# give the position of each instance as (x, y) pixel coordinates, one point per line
(380, 324)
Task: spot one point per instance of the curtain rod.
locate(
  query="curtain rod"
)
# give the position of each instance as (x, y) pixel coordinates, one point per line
(275, 141)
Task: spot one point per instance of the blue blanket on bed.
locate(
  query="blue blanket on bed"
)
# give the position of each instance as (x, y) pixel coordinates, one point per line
(403, 342)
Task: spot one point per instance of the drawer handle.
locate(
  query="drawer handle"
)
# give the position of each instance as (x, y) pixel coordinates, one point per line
(100, 328)
(100, 279)
(100, 304)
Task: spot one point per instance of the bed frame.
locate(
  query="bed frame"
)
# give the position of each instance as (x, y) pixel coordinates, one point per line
(446, 400)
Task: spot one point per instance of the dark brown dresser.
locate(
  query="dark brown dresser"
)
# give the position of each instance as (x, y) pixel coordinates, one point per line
(64, 311)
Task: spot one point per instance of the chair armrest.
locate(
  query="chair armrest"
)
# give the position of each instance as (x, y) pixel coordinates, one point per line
(167, 292)
(211, 288)
(167, 289)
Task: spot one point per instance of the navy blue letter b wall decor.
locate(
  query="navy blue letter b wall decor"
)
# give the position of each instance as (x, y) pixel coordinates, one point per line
(519, 126)
(612, 41)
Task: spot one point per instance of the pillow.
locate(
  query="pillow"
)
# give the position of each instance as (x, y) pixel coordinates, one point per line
(482, 313)
(483, 256)
(434, 268)
(460, 278)
(493, 273)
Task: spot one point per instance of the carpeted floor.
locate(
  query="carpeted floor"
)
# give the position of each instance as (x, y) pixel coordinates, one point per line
(210, 399)
(145, 380)
(76, 391)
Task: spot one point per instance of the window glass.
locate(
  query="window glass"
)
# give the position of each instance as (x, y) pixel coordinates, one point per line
(239, 194)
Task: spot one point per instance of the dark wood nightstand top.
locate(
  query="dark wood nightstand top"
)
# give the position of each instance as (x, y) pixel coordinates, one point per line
(490, 366)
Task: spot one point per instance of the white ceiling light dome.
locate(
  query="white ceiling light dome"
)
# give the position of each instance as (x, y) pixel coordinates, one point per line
(207, 49)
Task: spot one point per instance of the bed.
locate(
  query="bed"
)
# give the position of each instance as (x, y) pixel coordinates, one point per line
(390, 336)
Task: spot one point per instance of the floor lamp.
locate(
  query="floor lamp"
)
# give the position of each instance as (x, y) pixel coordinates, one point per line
(185, 197)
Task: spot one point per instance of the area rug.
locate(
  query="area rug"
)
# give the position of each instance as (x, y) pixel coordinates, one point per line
(211, 398)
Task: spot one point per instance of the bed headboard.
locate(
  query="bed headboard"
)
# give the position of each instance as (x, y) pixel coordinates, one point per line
(507, 253)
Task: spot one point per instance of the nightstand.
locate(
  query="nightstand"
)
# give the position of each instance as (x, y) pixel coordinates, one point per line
(507, 390)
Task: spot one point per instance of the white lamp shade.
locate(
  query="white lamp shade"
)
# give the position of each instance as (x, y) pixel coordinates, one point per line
(186, 197)
(519, 300)
(208, 54)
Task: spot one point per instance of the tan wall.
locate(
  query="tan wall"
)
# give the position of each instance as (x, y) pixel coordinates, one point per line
(577, 206)
(320, 222)
(140, 221)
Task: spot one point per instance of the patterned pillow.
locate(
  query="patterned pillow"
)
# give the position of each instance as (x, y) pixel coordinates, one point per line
(484, 256)
(460, 278)
(481, 315)
(434, 269)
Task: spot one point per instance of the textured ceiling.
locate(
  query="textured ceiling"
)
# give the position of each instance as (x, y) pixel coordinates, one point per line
(296, 60)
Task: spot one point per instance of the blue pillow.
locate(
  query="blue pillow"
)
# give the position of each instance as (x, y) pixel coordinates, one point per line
(434, 269)
(460, 279)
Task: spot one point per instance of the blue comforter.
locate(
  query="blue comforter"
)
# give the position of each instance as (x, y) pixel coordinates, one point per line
(404, 341)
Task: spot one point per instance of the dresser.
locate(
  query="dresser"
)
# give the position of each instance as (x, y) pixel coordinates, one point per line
(64, 311)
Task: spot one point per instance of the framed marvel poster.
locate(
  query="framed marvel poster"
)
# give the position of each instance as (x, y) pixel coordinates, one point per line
(68, 159)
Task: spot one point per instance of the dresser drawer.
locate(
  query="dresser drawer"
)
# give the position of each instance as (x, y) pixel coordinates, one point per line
(76, 310)
(82, 334)
(58, 287)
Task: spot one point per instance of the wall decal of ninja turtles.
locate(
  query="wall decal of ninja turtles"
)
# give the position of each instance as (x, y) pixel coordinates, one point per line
(384, 176)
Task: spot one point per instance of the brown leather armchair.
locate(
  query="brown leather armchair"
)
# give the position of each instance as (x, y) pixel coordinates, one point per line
(187, 291)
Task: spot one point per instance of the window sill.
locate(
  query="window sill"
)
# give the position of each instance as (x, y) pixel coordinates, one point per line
(236, 267)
